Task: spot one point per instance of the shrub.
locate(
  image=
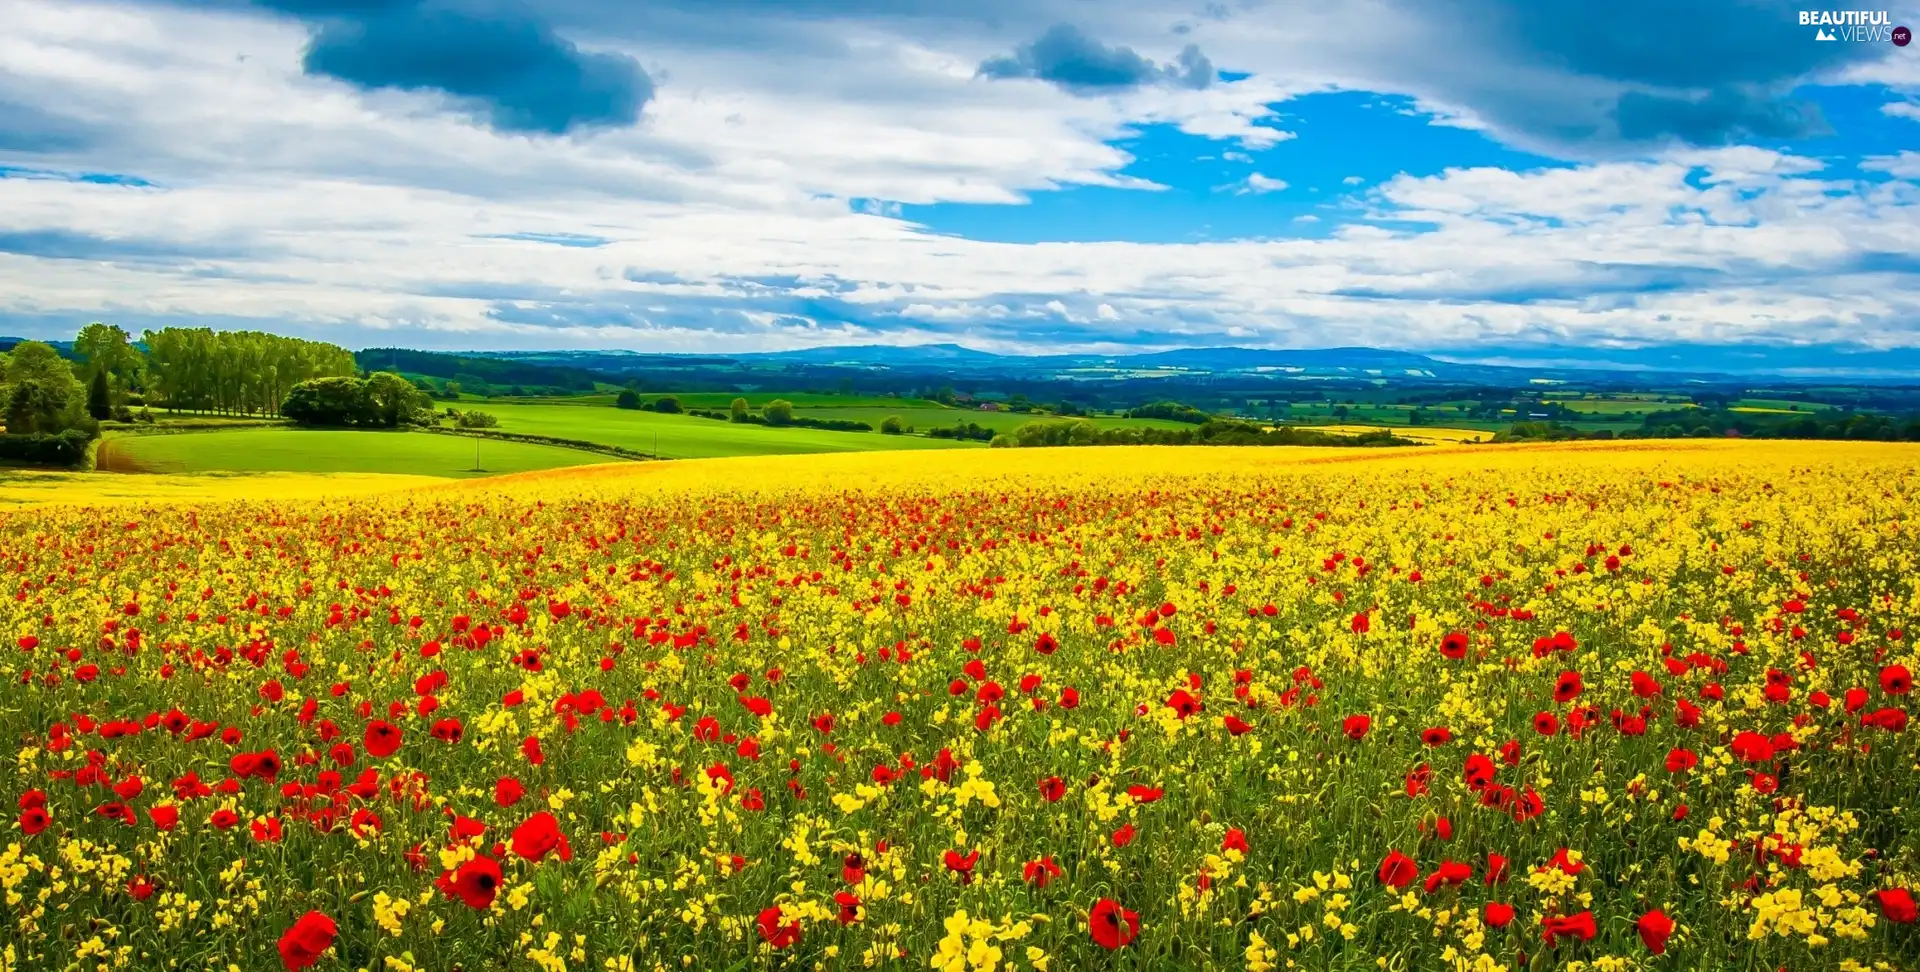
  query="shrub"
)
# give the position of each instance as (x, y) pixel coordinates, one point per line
(892, 425)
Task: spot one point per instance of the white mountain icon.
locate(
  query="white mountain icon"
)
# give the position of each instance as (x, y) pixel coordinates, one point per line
(1824, 34)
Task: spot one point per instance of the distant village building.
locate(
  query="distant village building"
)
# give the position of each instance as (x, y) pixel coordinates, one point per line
(989, 406)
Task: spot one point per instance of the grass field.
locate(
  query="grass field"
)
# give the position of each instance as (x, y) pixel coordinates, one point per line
(922, 419)
(1418, 433)
(687, 437)
(1623, 707)
(326, 451)
(36, 487)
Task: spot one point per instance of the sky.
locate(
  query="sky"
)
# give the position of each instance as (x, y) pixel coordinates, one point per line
(1517, 177)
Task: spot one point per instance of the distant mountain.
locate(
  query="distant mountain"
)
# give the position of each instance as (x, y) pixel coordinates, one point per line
(884, 354)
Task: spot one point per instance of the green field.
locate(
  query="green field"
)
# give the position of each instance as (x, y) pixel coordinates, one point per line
(688, 437)
(304, 450)
(922, 419)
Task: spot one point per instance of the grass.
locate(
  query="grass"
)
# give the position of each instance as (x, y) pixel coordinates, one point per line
(1418, 433)
(328, 451)
(687, 437)
(39, 487)
(922, 419)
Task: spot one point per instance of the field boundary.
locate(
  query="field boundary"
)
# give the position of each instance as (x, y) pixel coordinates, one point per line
(532, 438)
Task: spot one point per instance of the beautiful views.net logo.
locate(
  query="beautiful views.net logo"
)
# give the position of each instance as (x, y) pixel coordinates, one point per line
(1854, 25)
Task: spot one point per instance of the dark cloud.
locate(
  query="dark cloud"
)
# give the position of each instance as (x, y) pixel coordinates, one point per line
(1067, 57)
(1724, 116)
(60, 244)
(1706, 72)
(27, 129)
(502, 60)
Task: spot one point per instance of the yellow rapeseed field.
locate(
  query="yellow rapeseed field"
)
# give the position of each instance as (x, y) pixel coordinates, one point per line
(1585, 707)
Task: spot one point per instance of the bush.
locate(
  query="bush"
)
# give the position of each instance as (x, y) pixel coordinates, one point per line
(892, 425)
(68, 448)
(380, 400)
(667, 405)
(738, 410)
(1173, 411)
(628, 399)
(475, 420)
(778, 412)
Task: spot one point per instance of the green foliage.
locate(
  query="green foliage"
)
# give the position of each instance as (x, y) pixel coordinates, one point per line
(738, 410)
(1081, 432)
(963, 430)
(1172, 411)
(380, 400)
(893, 425)
(107, 349)
(68, 448)
(471, 419)
(99, 396)
(234, 372)
(41, 394)
(778, 412)
(627, 399)
(668, 405)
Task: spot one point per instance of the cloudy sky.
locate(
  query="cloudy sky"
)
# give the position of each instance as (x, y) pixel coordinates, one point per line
(729, 175)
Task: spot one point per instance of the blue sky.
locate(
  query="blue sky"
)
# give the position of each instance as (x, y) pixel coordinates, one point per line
(715, 175)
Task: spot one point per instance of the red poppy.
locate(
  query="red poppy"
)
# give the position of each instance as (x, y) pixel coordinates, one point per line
(1499, 915)
(1752, 747)
(1580, 926)
(1235, 840)
(382, 739)
(1546, 724)
(1236, 726)
(1123, 836)
(1356, 726)
(1398, 870)
(164, 818)
(1896, 680)
(961, 865)
(1655, 928)
(1111, 925)
(477, 881)
(849, 912)
(1449, 873)
(774, 933)
(507, 791)
(539, 836)
(1436, 736)
(34, 820)
(308, 939)
(1053, 788)
(1567, 687)
(1896, 905)
(1038, 873)
(1681, 760)
(1454, 645)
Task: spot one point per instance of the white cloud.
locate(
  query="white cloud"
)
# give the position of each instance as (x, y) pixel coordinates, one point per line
(1260, 185)
(1901, 109)
(1906, 165)
(298, 201)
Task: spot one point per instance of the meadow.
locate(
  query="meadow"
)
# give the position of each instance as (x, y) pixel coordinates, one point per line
(1582, 707)
(332, 451)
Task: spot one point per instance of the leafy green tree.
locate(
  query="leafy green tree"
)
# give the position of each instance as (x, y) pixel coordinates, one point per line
(394, 400)
(99, 396)
(778, 412)
(42, 395)
(334, 401)
(668, 405)
(628, 399)
(892, 425)
(104, 347)
(738, 409)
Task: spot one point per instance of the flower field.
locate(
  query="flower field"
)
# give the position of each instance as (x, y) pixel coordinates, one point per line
(1479, 708)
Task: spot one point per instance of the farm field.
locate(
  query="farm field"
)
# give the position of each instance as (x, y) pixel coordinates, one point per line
(1431, 435)
(922, 419)
(37, 487)
(1587, 706)
(689, 437)
(329, 451)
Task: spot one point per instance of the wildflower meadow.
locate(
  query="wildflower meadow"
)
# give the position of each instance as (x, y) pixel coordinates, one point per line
(1479, 708)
